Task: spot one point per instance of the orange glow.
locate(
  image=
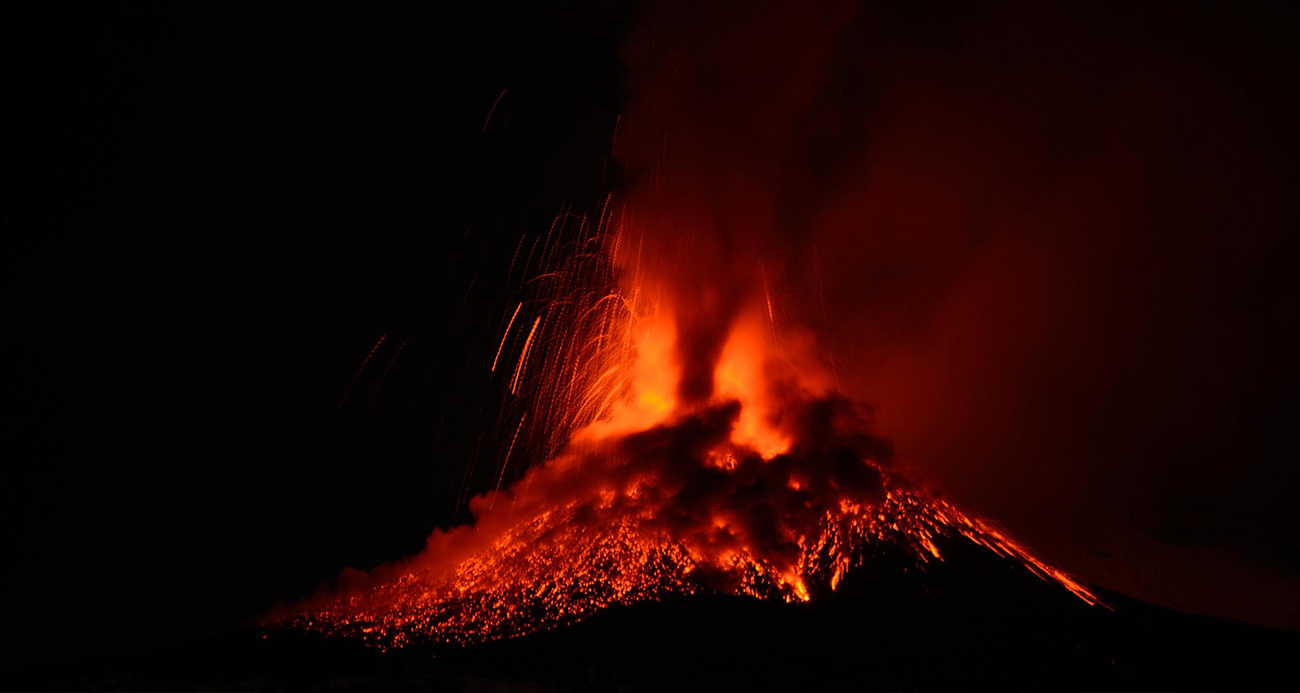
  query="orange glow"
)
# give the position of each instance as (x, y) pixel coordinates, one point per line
(740, 376)
(652, 377)
(639, 495)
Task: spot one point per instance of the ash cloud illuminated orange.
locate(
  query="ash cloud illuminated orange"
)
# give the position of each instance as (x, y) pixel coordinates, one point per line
(1051, 245)
(711, 448)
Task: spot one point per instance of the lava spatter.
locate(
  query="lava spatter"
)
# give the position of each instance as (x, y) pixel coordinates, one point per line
(771, 486)
(619, 546)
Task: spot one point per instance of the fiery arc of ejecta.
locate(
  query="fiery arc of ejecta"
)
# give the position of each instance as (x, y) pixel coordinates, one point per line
(765, 482)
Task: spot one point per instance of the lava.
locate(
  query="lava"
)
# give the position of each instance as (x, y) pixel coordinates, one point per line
(742, 471)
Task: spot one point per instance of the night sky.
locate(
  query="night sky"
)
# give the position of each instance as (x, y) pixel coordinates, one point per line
(1056, 250)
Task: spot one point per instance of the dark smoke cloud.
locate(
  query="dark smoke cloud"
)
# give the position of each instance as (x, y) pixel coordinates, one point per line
(1052, 245)
(671, 479)
(829, 461)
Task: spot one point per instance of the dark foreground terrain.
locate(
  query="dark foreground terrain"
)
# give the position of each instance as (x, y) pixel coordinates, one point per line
(964, 623)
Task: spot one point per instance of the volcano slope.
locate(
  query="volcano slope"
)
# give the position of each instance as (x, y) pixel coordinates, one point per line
(973, 621)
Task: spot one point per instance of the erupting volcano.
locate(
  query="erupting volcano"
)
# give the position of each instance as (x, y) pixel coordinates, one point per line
(642, 345)
(709, 452)
(670, 423)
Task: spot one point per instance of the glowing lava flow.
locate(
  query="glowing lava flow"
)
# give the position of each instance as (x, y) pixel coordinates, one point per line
(771, 487)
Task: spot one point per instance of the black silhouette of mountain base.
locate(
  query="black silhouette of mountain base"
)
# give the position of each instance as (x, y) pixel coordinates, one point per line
(971, 621)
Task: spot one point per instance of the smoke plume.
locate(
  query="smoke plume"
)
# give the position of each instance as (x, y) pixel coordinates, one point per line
(968, 211)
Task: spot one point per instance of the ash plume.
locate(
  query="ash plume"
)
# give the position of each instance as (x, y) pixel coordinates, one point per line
(727, 458)
(1052, 243)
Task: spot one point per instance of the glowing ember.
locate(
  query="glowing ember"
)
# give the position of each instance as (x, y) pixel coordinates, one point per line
(763, 481)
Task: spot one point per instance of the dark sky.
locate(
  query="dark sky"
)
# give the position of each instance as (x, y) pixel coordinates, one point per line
(1055, 247)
